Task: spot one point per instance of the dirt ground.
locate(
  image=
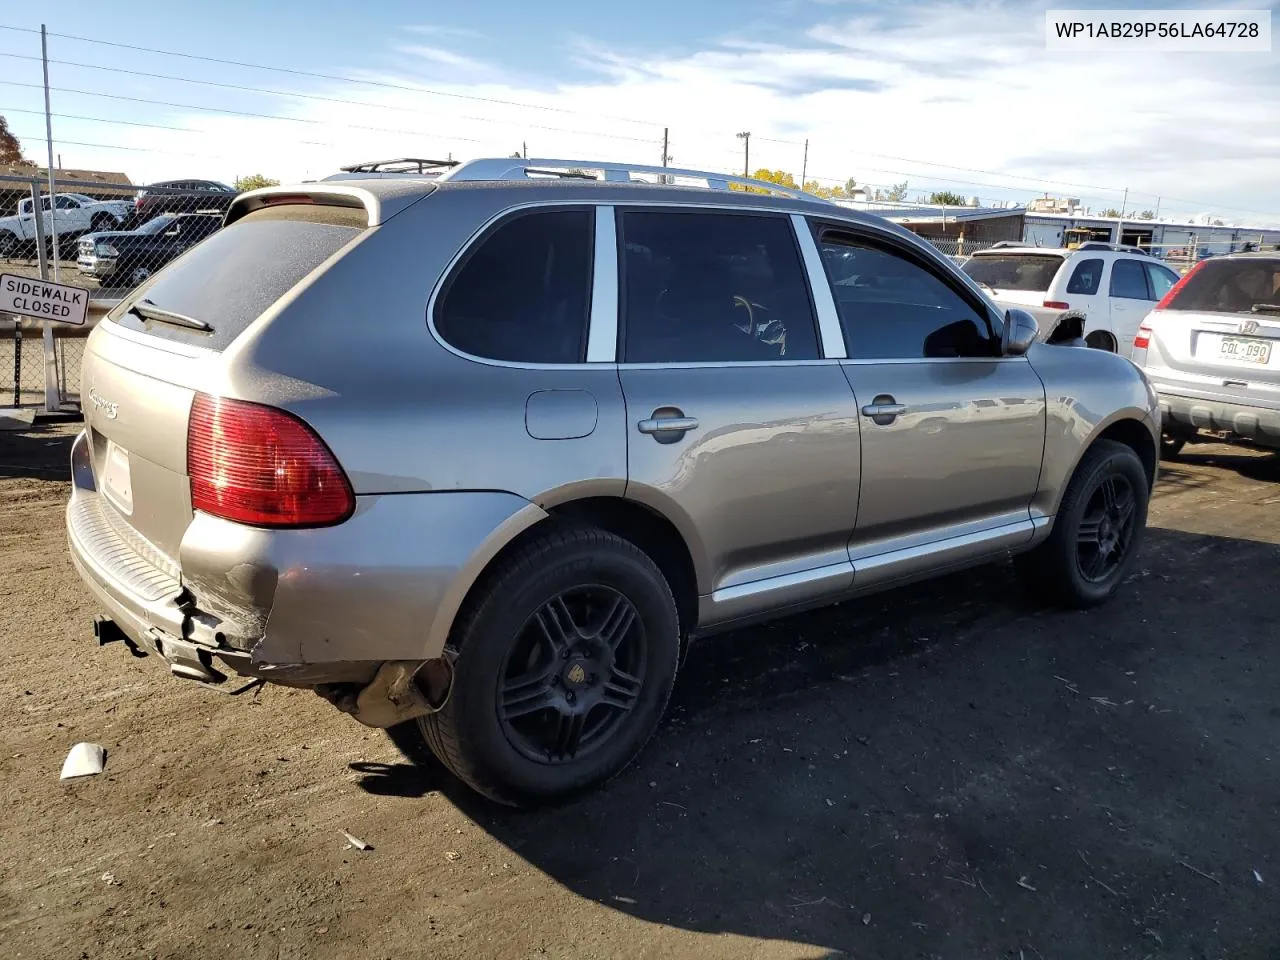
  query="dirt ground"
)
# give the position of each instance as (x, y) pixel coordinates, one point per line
(943, 771)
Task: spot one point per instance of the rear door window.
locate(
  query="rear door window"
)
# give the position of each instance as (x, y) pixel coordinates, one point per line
(523, 293)
(1161, 279)
(713, 287)
(1085, 277)
(1129, 280)
(229, 280)
(1231, 285)
(1014, 271)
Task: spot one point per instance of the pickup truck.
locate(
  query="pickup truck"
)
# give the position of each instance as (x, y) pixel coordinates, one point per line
(73, 214)
(132, 256)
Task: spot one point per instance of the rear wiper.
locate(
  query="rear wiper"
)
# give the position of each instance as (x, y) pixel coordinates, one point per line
(1266, 308)
(146, 310)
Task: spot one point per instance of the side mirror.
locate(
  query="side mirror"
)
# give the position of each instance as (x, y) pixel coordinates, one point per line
(1020, 332)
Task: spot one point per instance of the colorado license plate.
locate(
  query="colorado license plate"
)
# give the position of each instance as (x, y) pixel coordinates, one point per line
(116, 483)
(1245, 350)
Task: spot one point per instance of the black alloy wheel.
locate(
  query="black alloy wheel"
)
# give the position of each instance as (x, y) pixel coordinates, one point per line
(573, 674)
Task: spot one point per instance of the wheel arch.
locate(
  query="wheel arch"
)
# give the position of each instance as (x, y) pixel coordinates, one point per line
(647, 528)
(1131, 427)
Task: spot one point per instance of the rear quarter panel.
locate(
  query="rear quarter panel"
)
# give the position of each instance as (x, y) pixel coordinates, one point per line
(1086, 391)
(350, 351)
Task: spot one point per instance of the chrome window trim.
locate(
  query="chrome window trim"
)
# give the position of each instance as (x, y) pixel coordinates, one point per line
(824, 302)
(606, 325)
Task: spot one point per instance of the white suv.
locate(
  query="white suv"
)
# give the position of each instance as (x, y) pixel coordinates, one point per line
(1111, 288)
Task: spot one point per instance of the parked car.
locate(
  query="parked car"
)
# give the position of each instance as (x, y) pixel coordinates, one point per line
(134, 255)
(72, 214)
(182, 196)
(628, 416)
(1108, 289)
(1211, 348)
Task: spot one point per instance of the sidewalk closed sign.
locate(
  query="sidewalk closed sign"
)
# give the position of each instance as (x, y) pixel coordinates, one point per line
(43, 300)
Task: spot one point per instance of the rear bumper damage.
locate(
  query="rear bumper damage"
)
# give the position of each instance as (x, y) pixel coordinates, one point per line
(359, 612)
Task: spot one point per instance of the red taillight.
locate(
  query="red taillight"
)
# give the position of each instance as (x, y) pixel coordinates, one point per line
(261, 466)
(1057, 305)
(1143, 338)
(1167, 299)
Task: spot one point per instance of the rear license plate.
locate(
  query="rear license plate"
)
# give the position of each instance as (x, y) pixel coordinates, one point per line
(116, 483)
(1245, 350)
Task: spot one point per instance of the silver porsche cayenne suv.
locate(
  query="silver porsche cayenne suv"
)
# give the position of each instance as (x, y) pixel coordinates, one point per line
(476, 454)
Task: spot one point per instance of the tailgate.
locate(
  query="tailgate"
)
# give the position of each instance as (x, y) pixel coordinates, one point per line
(136, 419)
(1229, 357)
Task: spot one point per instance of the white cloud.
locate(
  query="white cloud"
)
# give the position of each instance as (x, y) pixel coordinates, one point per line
(966, 88)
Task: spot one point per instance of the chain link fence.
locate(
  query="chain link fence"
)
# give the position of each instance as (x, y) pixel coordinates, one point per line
(106, 238)
(959, 249)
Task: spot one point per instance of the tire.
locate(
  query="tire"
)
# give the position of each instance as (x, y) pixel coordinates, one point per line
(539, 630)
(103, 222)
(1171, 445)
(1101, 340)
(139, 275)
(8, 244)
(1070, 569)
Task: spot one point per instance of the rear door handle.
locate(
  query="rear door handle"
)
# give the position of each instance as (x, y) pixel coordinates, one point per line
(874, 410)
(667, 425)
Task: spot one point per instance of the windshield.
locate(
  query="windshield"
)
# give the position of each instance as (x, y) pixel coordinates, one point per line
(1014, 271)
(1225, 285)
(158, 225)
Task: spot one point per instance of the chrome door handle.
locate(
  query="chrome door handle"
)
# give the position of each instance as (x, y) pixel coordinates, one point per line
(874, 410)
(667, 425)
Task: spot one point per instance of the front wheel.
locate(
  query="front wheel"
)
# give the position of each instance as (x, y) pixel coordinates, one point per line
(8, 245)
(564, 664)
(1097, 532)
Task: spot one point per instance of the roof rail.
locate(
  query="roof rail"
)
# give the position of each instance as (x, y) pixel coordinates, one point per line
(409, 165)
(1115, 247)
(514, 168)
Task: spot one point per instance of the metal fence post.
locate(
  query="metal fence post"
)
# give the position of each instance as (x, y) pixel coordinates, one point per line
(51, 398)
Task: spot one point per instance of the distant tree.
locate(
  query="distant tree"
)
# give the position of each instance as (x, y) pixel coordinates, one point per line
(517, 156)
(898, 192)
(946, 198)
(10, 148)
(1147, 215)
(851, 186)
(254, 181)
(1218, 223)
(1111, 212)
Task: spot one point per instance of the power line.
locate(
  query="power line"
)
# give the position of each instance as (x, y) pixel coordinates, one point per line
(245, 113)
(316, 76)
(305, 96)
(1195, 204)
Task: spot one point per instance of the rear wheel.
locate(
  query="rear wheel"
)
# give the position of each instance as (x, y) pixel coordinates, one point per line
(1101, 340)
(103, 222)
(564, 667)
(1097, 532)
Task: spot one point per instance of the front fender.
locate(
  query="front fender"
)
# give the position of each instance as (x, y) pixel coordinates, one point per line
(1087, 392)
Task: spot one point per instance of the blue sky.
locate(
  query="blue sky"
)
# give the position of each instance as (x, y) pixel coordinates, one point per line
(943, 95)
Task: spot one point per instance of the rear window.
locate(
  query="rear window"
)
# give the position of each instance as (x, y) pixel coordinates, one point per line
(1014, 271)
(230, 279)
(1241, 285)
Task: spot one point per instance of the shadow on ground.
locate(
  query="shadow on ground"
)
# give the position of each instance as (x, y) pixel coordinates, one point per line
(946, 771)
(41, 452)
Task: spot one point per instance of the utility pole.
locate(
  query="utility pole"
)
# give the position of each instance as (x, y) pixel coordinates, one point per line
(1120, 225)
(666, 157)
(1158, 208)
(48, 135)
(745, 137)
(524, 149)
(804, 167)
